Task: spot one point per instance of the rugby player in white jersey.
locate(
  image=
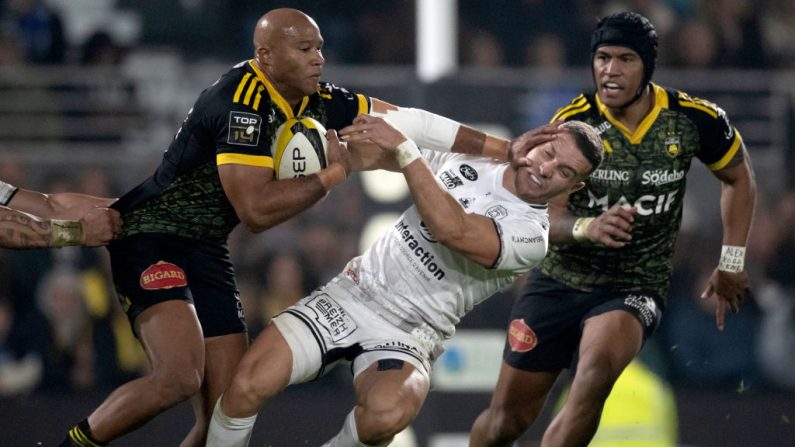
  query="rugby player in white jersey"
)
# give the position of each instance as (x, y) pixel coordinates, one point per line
(476, 225)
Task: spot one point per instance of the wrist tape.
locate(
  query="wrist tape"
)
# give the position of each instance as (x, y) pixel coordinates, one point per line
(406, 152)
(732, 259)
(580, 229)
(65, 232)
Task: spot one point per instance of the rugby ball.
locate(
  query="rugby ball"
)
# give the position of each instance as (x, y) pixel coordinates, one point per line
(299, 148)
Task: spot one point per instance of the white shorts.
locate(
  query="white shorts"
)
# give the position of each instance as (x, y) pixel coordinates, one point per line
(331, 326)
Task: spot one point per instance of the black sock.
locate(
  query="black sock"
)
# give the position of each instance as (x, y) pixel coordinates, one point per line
(80, 436)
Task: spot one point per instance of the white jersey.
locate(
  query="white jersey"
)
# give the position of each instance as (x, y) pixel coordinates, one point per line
(414, 281)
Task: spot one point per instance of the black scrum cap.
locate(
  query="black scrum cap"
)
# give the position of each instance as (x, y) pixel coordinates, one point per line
(631, 30)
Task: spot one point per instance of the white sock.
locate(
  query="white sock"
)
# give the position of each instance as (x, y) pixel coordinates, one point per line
(348, 436)
(229, 432)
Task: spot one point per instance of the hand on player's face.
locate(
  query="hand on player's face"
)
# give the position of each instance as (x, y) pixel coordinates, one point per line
(338, 151)
(374, 129)
(530, 139)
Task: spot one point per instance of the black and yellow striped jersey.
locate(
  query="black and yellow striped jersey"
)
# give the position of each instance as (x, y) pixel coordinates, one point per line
(646, 169)
(232, 121)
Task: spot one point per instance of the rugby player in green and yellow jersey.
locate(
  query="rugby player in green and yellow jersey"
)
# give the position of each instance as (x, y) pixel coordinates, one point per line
(599, 294)
(171, 264)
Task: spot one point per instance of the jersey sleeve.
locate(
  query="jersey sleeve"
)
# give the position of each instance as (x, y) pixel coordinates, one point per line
(436, 159)
(577, 106)
(236, 115)
(719, 141)
(523, 243)
(342, 105)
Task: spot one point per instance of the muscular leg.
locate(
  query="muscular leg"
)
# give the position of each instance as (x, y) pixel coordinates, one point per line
(609, 342)
(263, 372)
(222, 355)
(389, 394)
(517, 400)
(172, 338)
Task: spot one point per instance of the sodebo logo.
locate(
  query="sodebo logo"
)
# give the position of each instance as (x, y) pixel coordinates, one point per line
(661, 176)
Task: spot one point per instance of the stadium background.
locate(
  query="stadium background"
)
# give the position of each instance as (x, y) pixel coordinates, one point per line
(91, 92)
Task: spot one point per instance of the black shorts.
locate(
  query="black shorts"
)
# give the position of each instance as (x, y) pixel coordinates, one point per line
(547, 320)
(153, 268)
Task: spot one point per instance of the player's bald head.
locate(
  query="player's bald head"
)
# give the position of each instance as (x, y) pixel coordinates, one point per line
(278, 24)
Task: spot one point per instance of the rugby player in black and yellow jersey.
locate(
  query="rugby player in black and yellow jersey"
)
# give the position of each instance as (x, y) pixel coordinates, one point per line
(599, 293)
(171, 265)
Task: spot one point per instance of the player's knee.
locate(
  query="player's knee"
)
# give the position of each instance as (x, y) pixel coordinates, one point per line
(597, 378)
(508, 425)
(381, 424)
(178, 384)
(248, 385)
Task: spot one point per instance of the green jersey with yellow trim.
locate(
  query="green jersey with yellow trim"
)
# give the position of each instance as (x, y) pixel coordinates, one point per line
(232, 121)
(645, 169)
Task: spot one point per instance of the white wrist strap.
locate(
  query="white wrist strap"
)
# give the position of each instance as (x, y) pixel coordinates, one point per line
(732, 259)
(406, 152)
(6, 192)
(580, 229)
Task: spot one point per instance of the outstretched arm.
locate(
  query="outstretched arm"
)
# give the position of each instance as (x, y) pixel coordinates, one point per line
(432, 131)
(65, 205)
(21, 230)
(34, 219)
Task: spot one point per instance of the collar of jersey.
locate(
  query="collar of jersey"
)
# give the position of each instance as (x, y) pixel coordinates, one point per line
(660, 102)
(277, 97)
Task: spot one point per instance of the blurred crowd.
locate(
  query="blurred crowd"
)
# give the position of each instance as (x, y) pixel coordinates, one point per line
(693, 33)
(61, 329)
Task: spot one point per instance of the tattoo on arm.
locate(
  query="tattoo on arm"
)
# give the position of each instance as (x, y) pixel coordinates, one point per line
(20, 230)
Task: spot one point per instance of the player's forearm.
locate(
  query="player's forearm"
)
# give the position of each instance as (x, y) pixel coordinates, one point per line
(21, 230)
(33, 202)
(436, 132)
(561, 221)
(475, 142)
(280, 200)
(70, 205)
(440, 212)
(738, 199)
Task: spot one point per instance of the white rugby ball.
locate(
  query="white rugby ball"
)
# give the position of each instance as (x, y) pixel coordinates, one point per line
(299, 148)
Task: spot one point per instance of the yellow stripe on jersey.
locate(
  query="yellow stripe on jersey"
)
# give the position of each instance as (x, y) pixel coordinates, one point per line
(364, 107)
(250, 91)
(697, 103)
(575, 103)
(720, 164)
(571, 112)
(240, 87)
(258, 97)
(262, 161)
(607, 146)
(276, 97)
(660, 102)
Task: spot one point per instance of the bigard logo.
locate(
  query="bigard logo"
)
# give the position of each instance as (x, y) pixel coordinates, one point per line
(162, 275)
(521, 337)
